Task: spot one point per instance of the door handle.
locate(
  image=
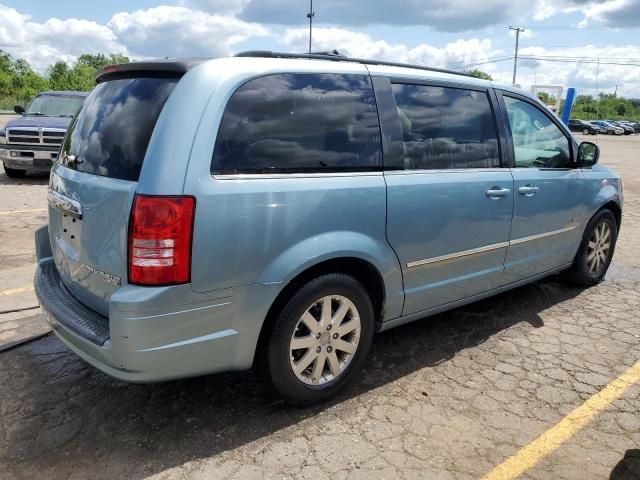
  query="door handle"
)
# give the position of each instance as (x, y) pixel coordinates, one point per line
(497, 192)
(528, 191)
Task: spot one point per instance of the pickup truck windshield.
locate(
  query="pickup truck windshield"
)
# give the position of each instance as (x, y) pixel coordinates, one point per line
(54, 106)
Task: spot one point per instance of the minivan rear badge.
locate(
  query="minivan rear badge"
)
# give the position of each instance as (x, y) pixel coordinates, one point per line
(107, 277)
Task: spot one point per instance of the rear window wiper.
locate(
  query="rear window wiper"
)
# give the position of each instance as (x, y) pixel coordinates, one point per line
(67, 115)
(37, 114)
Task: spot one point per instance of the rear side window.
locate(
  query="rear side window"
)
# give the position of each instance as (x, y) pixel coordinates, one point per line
(299, 123)
(110, 135)
(446, 128)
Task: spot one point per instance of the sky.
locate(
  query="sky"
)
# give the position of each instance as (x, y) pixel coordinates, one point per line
(461, 34)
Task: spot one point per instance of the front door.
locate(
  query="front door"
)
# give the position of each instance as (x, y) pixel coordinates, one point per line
(548, 207)
(449, 204)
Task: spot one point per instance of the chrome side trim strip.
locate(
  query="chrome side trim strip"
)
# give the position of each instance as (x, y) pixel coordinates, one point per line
(543, 235)
(464, 253)
(489, 248)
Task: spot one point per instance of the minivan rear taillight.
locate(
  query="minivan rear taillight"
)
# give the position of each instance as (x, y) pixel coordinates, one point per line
(160, 236)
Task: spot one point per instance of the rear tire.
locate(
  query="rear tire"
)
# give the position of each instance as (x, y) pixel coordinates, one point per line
(320, 339)
(586, 131)
(13, 172)
(596, 250)
(611, 132)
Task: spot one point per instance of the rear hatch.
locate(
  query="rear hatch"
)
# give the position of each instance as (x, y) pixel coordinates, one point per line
(92, 188)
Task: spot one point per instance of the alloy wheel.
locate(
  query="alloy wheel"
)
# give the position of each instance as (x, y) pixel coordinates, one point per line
(325, 340)
(599, 247)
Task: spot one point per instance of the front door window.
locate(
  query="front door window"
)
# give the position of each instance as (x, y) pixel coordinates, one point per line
(537, 141)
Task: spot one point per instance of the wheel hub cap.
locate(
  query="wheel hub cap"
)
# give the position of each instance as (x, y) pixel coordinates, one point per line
(599, 248)
(325, 340)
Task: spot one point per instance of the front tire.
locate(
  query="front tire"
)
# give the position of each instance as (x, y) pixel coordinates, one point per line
(13, 172)
(320, 340)
(596, 250)
(586, 131)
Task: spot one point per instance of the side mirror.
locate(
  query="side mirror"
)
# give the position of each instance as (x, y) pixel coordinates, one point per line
(18, 109)
(588, 154)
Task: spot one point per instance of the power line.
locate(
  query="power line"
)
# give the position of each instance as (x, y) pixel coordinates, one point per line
(579, 60)
(495, 60)
(586, 27)
(459, 64)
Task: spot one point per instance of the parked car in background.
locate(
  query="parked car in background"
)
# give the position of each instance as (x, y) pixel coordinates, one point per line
(31, 142)
(583, 127)
(277, 210)
(626, 128)
(634, 125)
(608, 128)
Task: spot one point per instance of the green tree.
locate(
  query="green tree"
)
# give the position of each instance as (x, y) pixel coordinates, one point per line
(547, 98)
(82, 77)
(479, 74)
(59, 76)
(99, 61)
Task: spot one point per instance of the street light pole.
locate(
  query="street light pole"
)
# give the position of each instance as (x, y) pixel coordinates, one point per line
(310, 16)
(515, 56)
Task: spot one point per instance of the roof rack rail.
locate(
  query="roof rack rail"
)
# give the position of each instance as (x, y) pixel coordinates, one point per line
(337, 57)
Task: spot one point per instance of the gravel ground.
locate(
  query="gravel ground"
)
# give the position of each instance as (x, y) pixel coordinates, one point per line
(449, 397)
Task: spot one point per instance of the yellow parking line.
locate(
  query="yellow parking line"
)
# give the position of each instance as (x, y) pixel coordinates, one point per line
(550, 440)
(13, 212)
(15, 291)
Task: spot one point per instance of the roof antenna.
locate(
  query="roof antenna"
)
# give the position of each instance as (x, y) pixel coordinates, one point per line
(310, 16)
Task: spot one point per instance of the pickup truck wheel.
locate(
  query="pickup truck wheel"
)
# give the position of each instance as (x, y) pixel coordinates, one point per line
(320, 339)
(13, 172)
(596, 250)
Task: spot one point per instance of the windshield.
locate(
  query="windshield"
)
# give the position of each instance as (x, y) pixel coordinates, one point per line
(54, 106)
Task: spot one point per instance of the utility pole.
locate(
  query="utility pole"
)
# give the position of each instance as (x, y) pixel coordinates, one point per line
(310, 16)
(515, 57)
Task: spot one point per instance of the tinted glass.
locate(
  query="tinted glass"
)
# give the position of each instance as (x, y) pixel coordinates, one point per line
(54, 106)
(446, 127)
(299, 123)
(537, 141)
(109, 137)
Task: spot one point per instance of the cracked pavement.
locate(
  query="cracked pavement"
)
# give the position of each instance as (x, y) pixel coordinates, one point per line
(449, 397)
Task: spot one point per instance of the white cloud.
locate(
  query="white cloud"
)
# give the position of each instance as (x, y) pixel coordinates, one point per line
(454, 55)
(220, 7)
(43, 43)
(614, 12)
(155, 32)
(180, 31)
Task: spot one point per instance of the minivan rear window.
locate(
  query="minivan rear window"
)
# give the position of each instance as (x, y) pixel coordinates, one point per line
(300, 123)
(109, 137)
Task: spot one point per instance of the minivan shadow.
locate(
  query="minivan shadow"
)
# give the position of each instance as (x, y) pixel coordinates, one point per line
(56, 408)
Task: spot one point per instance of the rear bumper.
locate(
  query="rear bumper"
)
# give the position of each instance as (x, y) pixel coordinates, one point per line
(155, 334)
(26, 157)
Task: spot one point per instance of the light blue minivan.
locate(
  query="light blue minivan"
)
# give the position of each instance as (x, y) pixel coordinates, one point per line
(276, 210)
